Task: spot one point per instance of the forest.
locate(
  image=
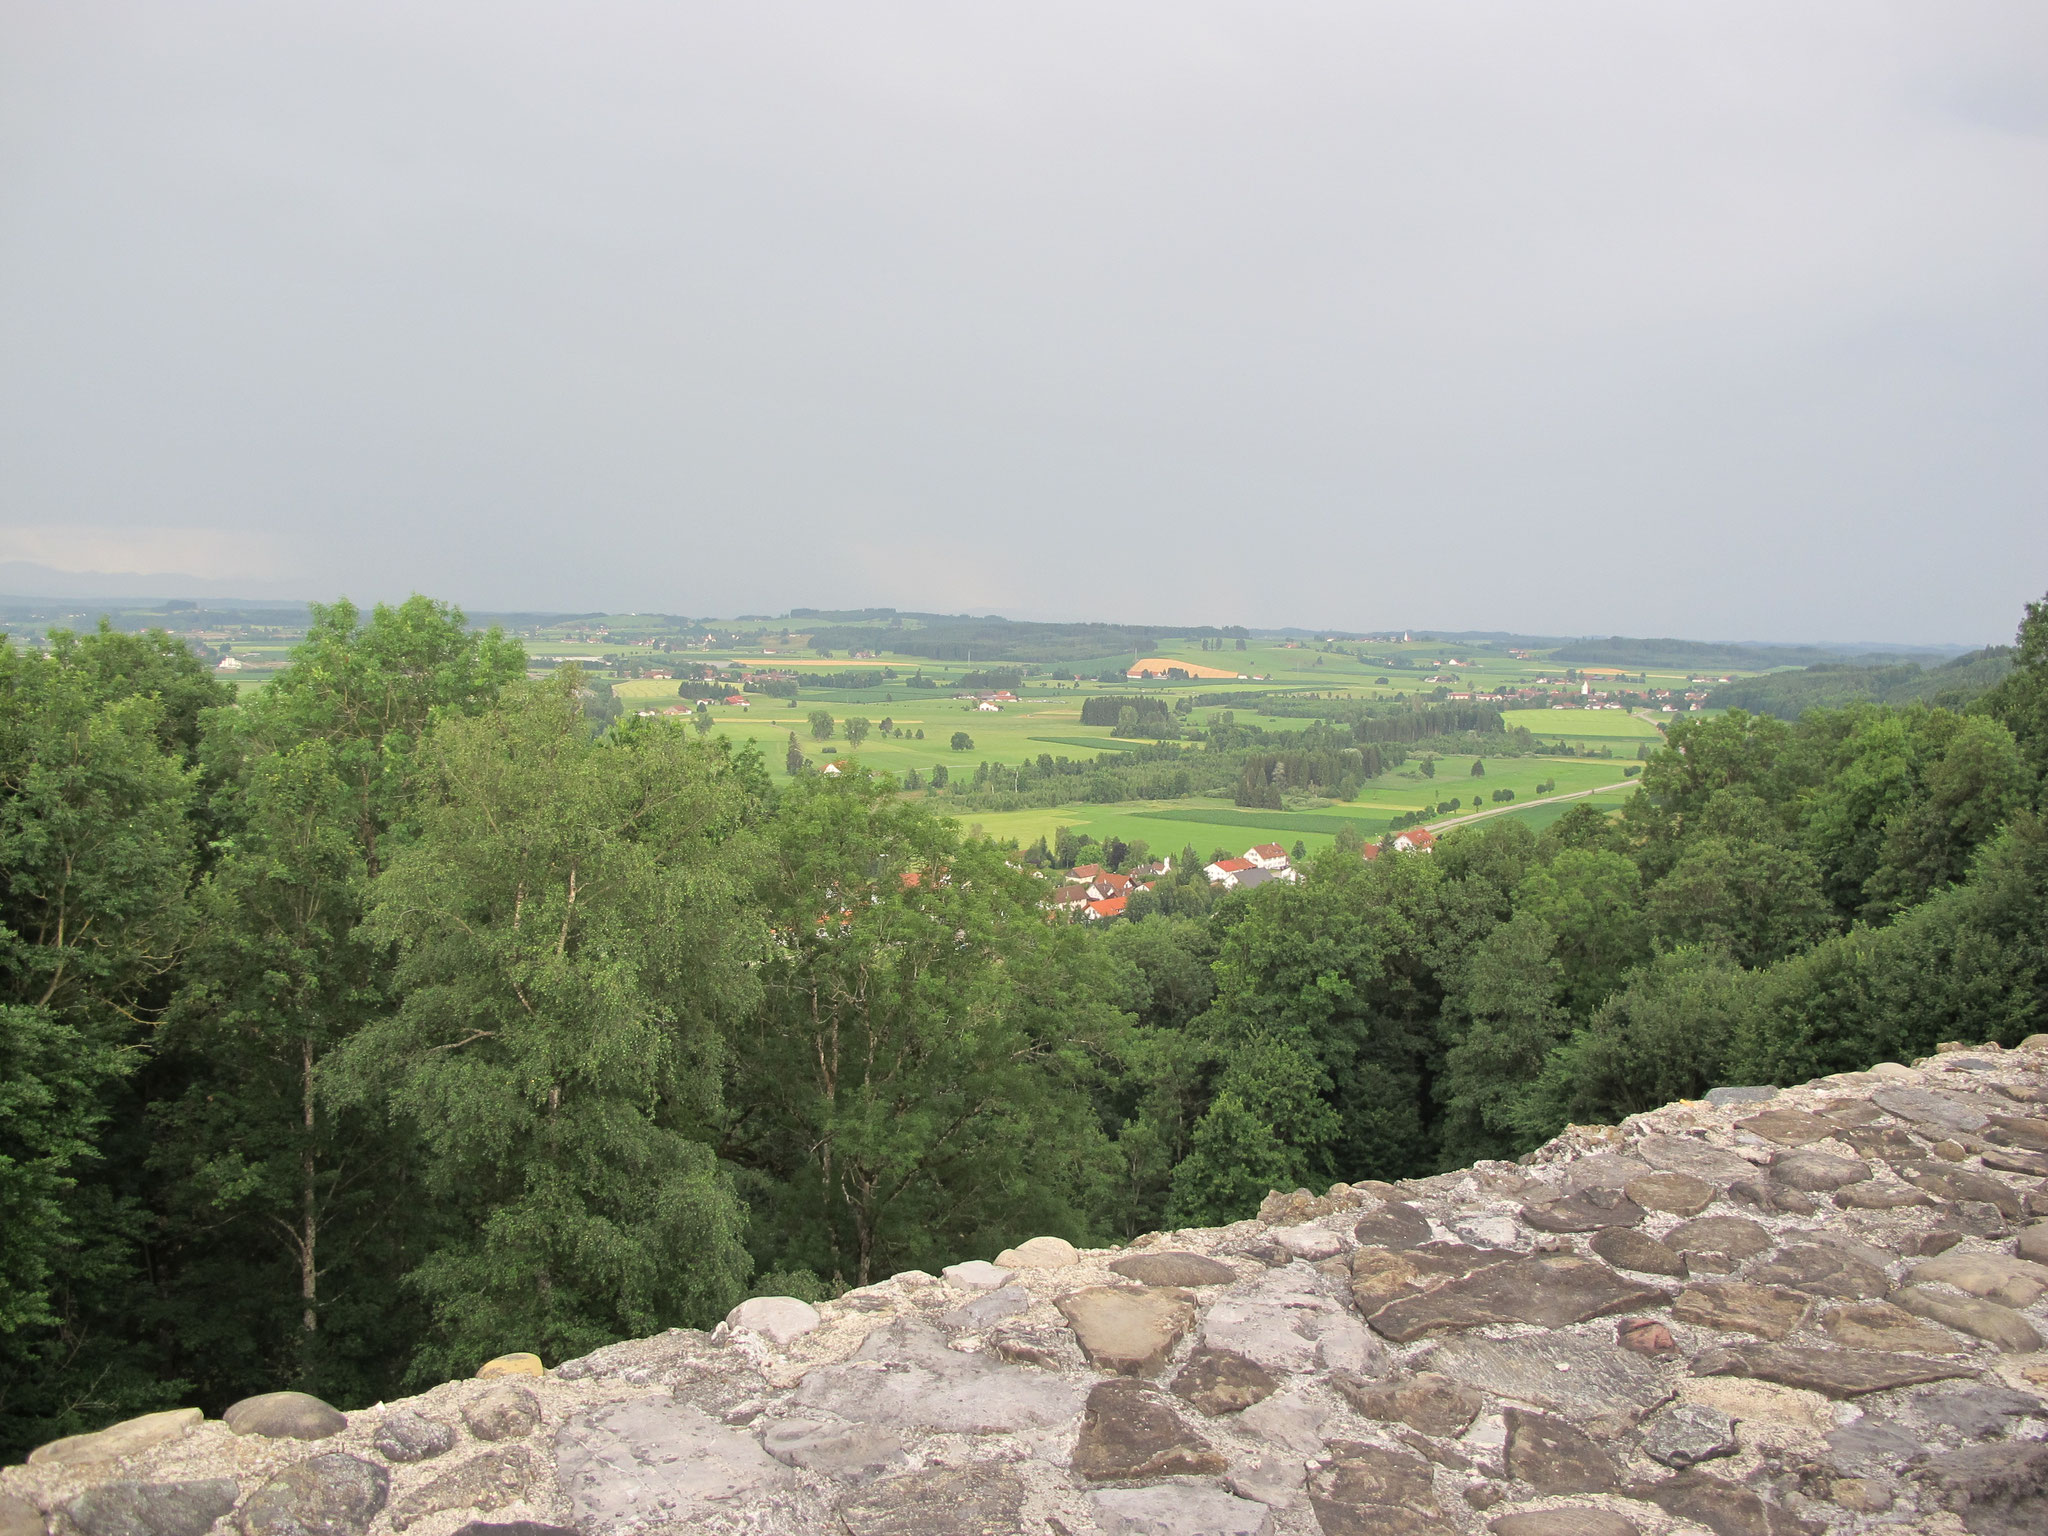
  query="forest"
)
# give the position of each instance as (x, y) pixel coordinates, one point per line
(1789, 695)
(410, 1010)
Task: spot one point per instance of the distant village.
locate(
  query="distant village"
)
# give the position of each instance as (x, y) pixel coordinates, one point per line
(1096, 894)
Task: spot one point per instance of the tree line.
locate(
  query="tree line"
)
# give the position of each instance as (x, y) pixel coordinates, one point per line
(407, 1011)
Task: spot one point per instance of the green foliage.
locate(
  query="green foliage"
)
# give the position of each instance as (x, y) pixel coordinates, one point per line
(962, 742)
(1502, 1018)
(1664, 1036)
(1270, 1116)
(2020, 703)
(1835, 684)
(572, 941)
(404, 1012)
(914, 1087)
(1591, 900)
(96, 855)
(1757, 902)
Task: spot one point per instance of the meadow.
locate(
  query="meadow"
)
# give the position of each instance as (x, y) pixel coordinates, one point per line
(1047, 719)
(1167, 825)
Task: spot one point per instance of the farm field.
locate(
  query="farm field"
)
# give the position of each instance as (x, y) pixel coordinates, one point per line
(1166, 825)
(1040, 723)
(1020, 732)
(1537, 817)
(1046, 719)
(1586, 724)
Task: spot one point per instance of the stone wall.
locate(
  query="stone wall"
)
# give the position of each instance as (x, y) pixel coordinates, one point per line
(1819, 1310)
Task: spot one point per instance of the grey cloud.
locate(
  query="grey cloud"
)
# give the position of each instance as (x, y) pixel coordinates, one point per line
(1565, 317)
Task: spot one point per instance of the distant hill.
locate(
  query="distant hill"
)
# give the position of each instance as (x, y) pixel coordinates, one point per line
(1788, 695)
(964, 638)
(1709, 655)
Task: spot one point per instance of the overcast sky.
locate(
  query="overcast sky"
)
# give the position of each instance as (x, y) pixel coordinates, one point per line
(1721, 320)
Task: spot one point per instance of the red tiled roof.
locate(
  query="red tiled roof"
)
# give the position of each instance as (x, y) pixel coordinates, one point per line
(1109, 906)
(1270, 851)
(1234, 866)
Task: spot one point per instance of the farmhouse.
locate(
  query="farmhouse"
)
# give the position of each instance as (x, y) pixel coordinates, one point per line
(1225, 872)
(1415, 840)
(1111, 906)
(1267, 856)
(228, 664)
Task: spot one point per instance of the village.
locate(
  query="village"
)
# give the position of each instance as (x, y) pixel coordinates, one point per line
(1096, 894)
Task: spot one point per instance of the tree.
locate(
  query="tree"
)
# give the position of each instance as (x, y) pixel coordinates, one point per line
(940, 775)
(368, 687)
(1299, 853)
(572, 946)
(1592, 902)
(856, 728)
(962, 742)
(1665, 1036)
(1347, 970)
(1758, 902)
(96, 858)
(1429, 767)
(915, 1083)
(152, 665)
(793, 758)
(1502, 1020)
(1978, 783)
(702, 722)
(1478, 767)
(320, 768)
(888, 726)
(2020, 702)
(821, 725)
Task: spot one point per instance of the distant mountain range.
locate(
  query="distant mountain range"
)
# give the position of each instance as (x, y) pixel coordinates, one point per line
(24, 578)
(29, 587)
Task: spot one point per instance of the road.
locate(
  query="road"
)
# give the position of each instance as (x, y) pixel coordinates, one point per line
(1522, 805)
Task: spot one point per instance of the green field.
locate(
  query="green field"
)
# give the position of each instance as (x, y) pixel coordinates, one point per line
(1165, 825)
(1021, 731)
(1609, 725)
(1047, 719)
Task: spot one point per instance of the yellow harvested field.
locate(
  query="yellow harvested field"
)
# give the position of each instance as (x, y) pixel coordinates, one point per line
(1157, 666)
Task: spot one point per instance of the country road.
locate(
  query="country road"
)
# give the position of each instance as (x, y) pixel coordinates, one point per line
(1522, 805)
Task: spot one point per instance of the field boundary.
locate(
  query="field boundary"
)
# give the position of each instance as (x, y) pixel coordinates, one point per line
(1523, 805)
